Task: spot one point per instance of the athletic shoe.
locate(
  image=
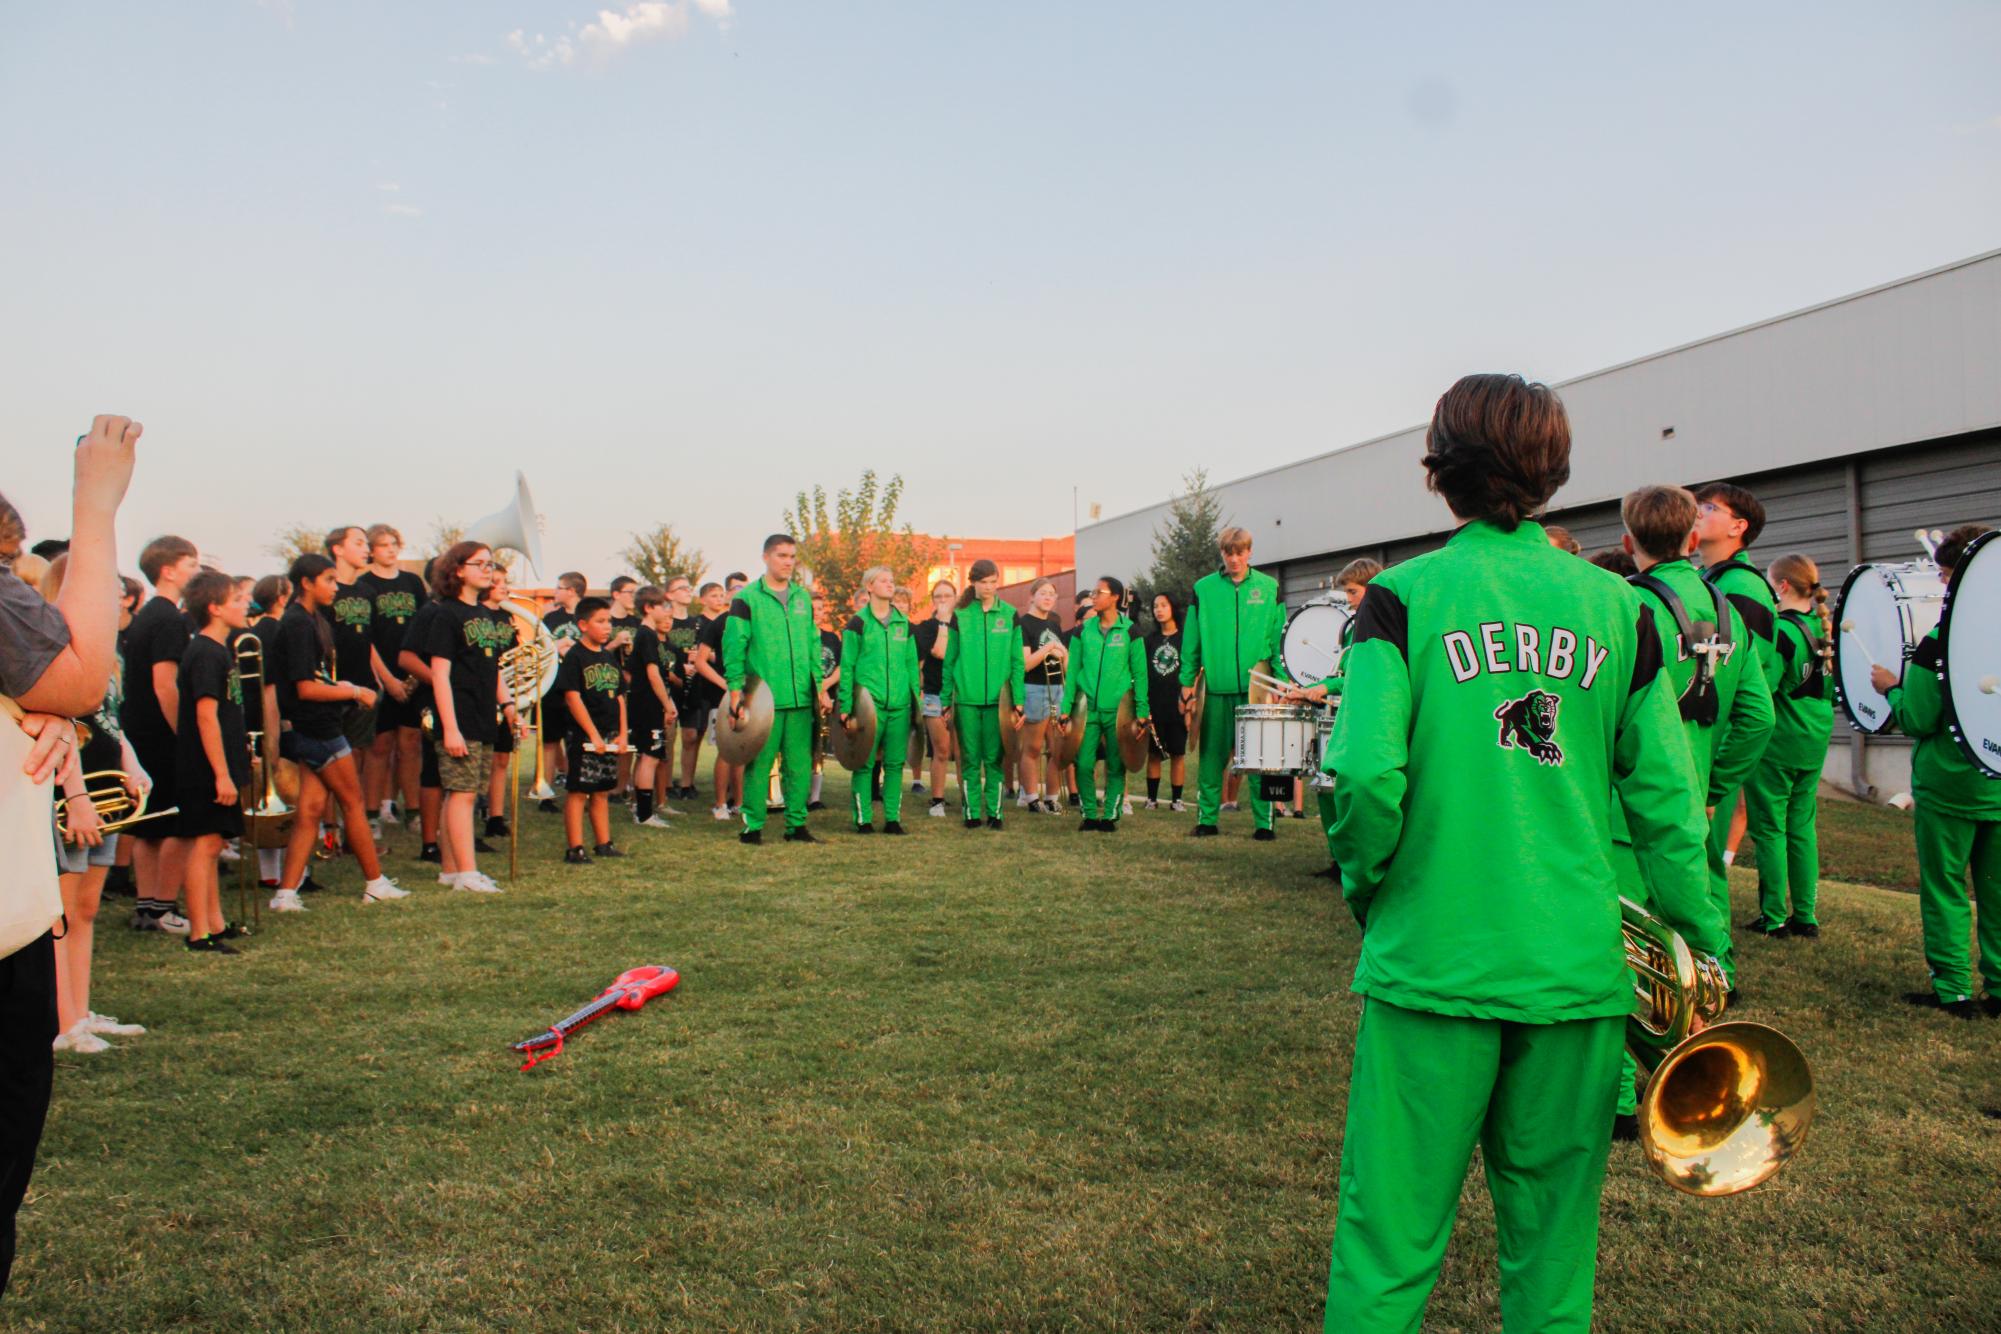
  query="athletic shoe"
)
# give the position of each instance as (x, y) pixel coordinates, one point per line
(751, 836)
(937, 810)
(1178, 806)
(606, 850)
(993, 822)
(1805, 930)
(380, 888)
(144, 921)
(547, 806)
(481, 845)
(310, 885)
(1299, 815)
(864, 829)
(917, 786)
(1964, 1009)
(720, 812)
(1076, 800)
(1778, 932)
(1088, 827)
(387, 819)
(800, 835)
(430, 854)
(653, 822)
(496, 826)
(1265, 835)
(618, 798)
(1152, 805)
(1126, 807)
(1049, 807)
(233, 931)
(80, 1041)
(286, 900)
(1229, 805)
(475, 883)
(375, 830)
(1023, 801)
(1329, 873)
(449, 879)
(973, 823)
(229, 853)
(1204, 831)
(173, 924)
(576, 857)
(211, 945)
(892, 827)
(1991, 1004)
(104, 1023)
(1108, 826)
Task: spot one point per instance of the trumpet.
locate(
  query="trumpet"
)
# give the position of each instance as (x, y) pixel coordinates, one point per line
(1727, 1105)
(114, 803)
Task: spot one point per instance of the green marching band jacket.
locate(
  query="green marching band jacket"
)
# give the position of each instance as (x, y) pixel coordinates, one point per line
(1942, 778)
(882, 656)
(1105, 665)
(983, 655)
(1245, 624)
(774, 641)
(1745, 586)
(1335, 683)
(1480, 759)
(1801, 695)
(1729, 737)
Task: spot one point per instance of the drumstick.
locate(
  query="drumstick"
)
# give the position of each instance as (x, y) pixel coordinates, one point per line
(1848, 628)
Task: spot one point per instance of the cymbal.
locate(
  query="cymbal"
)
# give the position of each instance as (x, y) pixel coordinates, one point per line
(1132, 736)
(853, 749)
(739, 740)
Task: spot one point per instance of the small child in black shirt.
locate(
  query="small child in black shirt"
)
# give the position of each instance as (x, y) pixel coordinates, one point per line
(212, 758)
(591, 686)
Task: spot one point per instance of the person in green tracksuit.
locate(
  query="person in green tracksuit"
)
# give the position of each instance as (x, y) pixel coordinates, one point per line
(1107, 663)
(1731, 520)
(1958, 822)
(769, 633)
(984, 673)
(1236, 620)
(1781, 799)
(1354, 582)
(1499, 697)
(879, 652)
(1720, 693)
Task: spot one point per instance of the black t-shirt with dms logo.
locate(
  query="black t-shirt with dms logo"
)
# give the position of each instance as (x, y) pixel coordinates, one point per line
(680, 638)
(394, 602)
(352, 617)
(649, 646)
(472, 642)
(595, 675)
(208, 671)
(302, 656)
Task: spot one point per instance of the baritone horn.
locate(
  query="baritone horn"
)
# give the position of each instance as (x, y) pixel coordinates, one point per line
(1726, 1105)
(113, 801)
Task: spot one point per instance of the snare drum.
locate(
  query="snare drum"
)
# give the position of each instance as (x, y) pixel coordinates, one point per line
(1275, 738)
(1323, 736)
(1884, 610)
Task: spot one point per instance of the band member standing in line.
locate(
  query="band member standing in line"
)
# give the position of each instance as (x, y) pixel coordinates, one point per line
(830, 680)
(461, 647)
(1498, 692)
(650, 708)
(562, 622)
(393, 761)
(682, 632)
(212, 763)
(154, 644)
(1044, 654)
(1107, 664)
(709, 689)
(506, 634)
(351, 615)
(1235, 621)
(982, 661)
(933, 636)
(879, 654)
(591, 685)
(1958, 823)
(1782, 798)
(1353, 581)
(770, 632)
(311, 701)
(1168, 743)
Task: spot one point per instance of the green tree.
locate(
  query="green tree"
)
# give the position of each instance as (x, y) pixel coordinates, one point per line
(860, 530)
(445, 534)
(660, 556)
(1184, 546)
(295, 540)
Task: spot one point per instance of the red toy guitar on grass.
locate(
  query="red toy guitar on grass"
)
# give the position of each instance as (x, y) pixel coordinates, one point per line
(634, 988)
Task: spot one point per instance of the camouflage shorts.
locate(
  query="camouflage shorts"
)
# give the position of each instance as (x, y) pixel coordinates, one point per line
(467, 773)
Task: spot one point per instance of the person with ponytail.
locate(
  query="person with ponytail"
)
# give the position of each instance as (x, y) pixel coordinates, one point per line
(1108, 664)
(983, 662)
(1780, 796)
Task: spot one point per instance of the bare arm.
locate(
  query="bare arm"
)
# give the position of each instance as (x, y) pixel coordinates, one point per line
(75, 682)
(211, 745)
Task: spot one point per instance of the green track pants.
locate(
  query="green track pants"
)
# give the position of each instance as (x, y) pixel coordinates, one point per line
(1101, 733)
(792, 737)
(1626, 866)
(1780, 807)
(1949, 847)
(1719, 877)
(1324, 799)
(892, 743)
(1219, 742)
(980, 759)
(1425, 1089)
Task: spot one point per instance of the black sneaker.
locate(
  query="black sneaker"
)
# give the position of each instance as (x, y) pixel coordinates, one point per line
(1961, 1009)
(210, 945)
(892, 826)
(1924, 1000)
(1804, 930)
(1088, 827)
(1329, 872)
(752, 836)
(547, 806)
(496, 826)
(232, 931)
(1076, 800)
(1299, 815)
(1108, 826)
(429, 853)
(1779, 932)
(864, 829)
(973, 823)
(1625, 1128)
(800, 835)
(993, 822)
(1265, 835)
(577, 857)
(606, 850)
(481, 845)
(816, 805)
(1991, 1004)
(1204, 831)
(310, 885)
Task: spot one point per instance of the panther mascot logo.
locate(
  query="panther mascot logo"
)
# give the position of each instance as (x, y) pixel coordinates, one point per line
(1530, 722)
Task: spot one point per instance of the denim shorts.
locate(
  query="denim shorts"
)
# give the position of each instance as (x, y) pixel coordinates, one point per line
(312, 752)
(75, 858)
(934, 706)
(1039, 701)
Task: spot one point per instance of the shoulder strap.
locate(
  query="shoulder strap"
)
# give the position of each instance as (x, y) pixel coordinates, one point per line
(1699, 702)
(1814, 684)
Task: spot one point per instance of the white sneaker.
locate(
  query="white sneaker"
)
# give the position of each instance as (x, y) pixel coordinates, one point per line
(721, 812)
(380, 888)
(1129, 806)
(286, 900)
(229, 853)
(78, 1040)
(653, 822)
(104, 1023)
(1178, 806)
(449, 879)
(375, 830)
(475, 882)
(937, 811)
(1022, 802)
(173, 923)
(1152, 805)
(386, 818)
(1229, 805)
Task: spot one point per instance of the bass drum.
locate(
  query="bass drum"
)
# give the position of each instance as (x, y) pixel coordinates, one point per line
(1970, 639)
(1311, 649)
(1884, 610)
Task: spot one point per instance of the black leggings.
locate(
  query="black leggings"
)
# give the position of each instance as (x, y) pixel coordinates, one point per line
(27, 1072)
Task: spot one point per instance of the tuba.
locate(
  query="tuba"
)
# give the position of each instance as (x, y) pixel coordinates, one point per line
(1725, 1106)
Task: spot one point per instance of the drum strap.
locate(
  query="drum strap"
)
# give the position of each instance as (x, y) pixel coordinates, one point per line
(1708, 642)
(1815, 684)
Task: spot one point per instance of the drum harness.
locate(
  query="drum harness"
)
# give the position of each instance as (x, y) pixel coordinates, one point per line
(1818, 652)
(1708, 642)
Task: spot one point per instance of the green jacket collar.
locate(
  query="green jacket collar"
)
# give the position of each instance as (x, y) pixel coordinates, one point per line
(1485, 532)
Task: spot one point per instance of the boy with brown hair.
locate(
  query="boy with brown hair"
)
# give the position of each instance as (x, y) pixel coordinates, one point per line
(154, 643)
(592, 688)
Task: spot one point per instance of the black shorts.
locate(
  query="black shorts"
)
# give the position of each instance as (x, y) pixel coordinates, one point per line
(695, 717)
(649, 735)
(391, 714)
(157, 759)
(503, 740)
(200, 817)
(1170, 729)
(590, 771)
(430, 777)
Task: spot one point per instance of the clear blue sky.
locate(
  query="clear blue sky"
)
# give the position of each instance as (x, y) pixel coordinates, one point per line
(358, 261)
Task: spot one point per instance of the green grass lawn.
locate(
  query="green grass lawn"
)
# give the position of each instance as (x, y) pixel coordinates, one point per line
(1862, 844)
(962, 1080)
